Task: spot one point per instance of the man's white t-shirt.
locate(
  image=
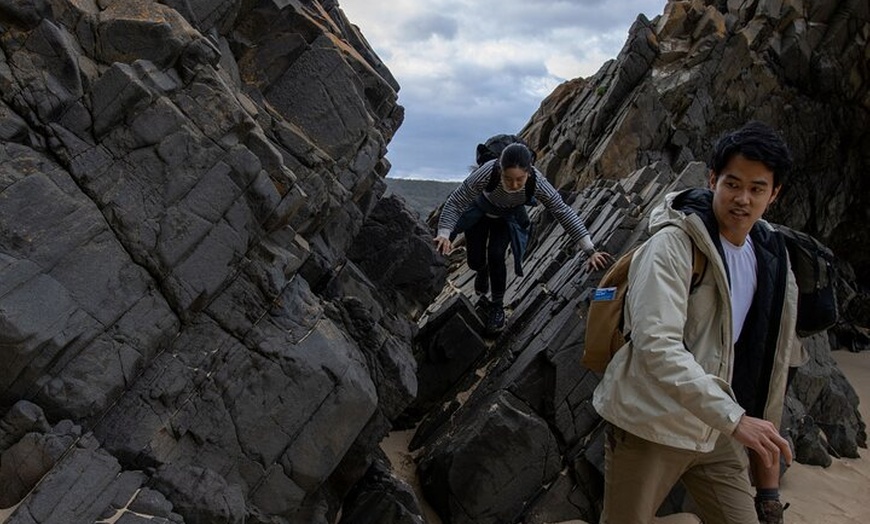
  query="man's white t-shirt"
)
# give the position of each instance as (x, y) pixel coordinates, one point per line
(743, 271)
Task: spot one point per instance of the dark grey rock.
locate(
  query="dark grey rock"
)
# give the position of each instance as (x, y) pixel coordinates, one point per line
(132, 518)
(13, 128)
(26, 13)
(128, 31)
(381, 498)
(23, 418)
(163, 241)
(24, 463)
(129, 487)
(809, 447)
(333, 112)
(150, 502)
(383, 341)
(829, 399)
(447, 350)
(396, 252)
(201, 495)
(205, 14)
(359, 43)
(117, 92)
(48, 69)
(699, 72)
(491, 465)
(79, 488)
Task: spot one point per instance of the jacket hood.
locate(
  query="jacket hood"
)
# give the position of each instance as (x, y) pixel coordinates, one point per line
(679, 205)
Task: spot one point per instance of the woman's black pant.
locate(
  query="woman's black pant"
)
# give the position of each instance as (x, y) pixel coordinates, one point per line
(486, 244)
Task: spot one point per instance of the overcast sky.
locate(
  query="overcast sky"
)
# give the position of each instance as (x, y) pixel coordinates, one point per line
(469, 69)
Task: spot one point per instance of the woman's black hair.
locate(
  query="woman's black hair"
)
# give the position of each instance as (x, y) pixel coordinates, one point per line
(517, 155)
(755, 141)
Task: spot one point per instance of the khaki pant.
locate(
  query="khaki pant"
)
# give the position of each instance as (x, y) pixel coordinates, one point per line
(639, 474)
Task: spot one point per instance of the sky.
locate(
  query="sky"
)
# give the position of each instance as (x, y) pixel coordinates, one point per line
(469, 69)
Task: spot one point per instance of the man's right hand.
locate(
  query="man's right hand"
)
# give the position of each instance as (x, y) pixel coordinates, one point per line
(762, 437)
(443, 245)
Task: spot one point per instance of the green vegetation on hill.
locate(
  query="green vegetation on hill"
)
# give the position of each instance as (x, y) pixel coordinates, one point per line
(423, 196)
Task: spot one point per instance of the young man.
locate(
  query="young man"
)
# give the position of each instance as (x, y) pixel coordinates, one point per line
(703, 377)
(493, 217)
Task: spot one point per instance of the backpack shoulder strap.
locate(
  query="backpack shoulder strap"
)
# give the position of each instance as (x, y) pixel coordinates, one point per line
(494, 176)
(617, 274)
(531, 184)
(699, 266)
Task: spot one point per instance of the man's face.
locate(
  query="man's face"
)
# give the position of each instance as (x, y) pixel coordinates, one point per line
(741, 194)
(514, 179)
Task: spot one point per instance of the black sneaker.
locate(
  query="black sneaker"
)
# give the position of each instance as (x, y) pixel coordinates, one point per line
(495, 319)
(482, 304)
(481, 282)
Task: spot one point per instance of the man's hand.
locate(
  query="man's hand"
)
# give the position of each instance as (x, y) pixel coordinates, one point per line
(762, 437)
(443, 245)
(599, 260)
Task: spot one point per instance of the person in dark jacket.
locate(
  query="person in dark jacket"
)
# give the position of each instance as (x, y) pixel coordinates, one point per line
(494, 217)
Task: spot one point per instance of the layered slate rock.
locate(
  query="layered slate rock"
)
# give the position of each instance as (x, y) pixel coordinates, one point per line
(67, 477)
(181, 185)
(381, 498)
(705, 67)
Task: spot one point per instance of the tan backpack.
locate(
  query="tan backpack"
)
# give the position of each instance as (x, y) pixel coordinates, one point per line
(604, 319)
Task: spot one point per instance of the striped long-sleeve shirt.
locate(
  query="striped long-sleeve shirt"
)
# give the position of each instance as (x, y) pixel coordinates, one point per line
(463, 197)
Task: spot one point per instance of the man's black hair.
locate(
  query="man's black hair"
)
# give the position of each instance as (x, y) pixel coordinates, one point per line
(755, 141)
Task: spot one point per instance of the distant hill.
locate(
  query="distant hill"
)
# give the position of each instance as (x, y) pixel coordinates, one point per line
(421, 195)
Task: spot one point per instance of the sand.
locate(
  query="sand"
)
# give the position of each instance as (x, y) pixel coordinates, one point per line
(839, 494)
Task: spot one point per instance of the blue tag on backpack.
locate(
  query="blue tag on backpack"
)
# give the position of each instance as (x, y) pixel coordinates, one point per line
(604, 293)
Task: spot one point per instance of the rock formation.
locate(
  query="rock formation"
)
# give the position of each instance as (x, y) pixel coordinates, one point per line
(194, 323)
(704, 67)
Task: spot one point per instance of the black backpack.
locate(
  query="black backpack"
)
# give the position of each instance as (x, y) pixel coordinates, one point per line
(813, 266)
(491, 150)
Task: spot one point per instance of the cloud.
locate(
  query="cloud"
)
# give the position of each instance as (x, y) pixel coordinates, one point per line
(469, 69)
(425, 27)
